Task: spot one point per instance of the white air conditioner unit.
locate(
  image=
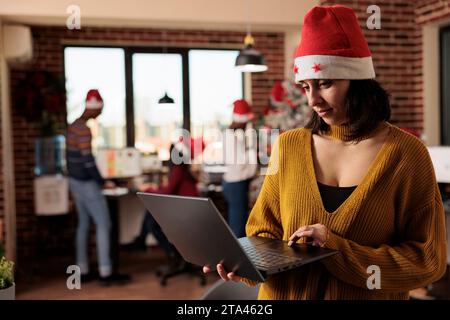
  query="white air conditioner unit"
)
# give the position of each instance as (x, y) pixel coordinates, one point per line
(18, 44)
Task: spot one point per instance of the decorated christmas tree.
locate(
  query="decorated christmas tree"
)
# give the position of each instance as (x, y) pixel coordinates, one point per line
(288, 108)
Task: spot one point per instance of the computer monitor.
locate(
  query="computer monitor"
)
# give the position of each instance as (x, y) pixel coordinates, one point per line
(119, 163)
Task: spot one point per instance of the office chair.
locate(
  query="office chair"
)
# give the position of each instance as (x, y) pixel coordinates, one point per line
(230, 290)
(178, 266)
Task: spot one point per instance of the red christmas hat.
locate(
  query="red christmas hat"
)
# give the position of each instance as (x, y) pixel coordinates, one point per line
(241, 111)
(278, 93)
(197, 146)
(193, 146)
(332, 46)
(94, 99)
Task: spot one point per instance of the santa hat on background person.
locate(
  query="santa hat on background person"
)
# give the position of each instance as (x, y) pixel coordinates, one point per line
(192, 147)
(332, 46)
(94, 100)
(277, 94)
(242, 111)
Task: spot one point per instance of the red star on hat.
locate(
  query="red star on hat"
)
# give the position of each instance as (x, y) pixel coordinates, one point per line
(317, 67)
(295, 69)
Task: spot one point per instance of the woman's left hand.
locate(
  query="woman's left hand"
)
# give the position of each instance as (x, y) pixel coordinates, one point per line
(318, 232)
(147, 186)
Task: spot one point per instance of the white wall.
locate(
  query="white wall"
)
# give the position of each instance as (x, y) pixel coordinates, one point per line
(7, 156)
(431, 84)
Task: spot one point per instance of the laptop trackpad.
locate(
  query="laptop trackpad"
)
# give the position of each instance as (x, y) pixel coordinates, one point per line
(297, 250)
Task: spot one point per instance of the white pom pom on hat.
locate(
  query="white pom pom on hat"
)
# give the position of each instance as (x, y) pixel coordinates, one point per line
(94, 100)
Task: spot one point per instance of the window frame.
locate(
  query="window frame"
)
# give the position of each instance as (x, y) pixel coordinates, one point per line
(444, 32)
(129, 101)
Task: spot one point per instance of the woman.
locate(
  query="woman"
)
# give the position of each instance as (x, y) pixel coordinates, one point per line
(181, 182)
(349, 181)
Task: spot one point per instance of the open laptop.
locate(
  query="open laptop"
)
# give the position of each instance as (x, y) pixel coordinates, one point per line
(202, 236)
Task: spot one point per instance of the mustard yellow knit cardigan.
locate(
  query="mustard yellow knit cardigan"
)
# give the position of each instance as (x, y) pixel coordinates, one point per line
(394, 219)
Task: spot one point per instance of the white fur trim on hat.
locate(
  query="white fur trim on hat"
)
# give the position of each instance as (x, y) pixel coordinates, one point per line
(333, 67)
(240, 118)
(94, 104)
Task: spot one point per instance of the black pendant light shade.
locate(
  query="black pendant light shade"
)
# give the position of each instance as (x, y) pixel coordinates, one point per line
(166, 99)
(250, 59)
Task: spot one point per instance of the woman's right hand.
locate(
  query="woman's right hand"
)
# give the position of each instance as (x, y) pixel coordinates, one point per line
(226, 276)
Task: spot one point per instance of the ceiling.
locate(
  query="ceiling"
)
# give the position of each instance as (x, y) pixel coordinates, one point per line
(262, 15)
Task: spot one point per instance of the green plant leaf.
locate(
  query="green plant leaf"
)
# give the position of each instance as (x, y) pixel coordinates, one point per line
(6, 273)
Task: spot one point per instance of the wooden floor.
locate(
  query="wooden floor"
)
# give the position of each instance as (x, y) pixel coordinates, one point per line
(144, 285)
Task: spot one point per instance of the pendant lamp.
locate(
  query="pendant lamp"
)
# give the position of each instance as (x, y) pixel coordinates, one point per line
(250, 59)
(165, 99)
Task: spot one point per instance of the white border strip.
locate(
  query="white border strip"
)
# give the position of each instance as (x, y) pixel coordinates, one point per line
(94, 104)
(333, 67)
(240, 118)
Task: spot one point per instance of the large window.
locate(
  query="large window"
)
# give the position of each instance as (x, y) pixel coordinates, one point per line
(202, 82)
(214, 84)
(153, 76)
(102, 69)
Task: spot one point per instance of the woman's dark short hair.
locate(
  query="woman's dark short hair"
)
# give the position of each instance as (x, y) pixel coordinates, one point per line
(367, 105)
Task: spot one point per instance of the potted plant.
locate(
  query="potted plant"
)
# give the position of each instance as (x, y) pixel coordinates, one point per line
(7, 285)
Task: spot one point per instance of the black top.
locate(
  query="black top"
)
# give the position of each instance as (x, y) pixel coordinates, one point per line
(333, 197)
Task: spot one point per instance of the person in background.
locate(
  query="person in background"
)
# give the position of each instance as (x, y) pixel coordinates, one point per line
(86, 183)
(182, 183)
(241, 166)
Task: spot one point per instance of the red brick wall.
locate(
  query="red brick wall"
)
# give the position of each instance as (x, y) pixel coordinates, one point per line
(48, 55)
(431, 10)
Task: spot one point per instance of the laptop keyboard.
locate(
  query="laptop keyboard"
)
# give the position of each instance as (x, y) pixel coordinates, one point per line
(267, 258)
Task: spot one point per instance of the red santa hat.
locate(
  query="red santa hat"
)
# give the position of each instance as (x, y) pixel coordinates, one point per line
(241, 111)
(277, 95)
(191, 146)
(332, 46)
(94, 99)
